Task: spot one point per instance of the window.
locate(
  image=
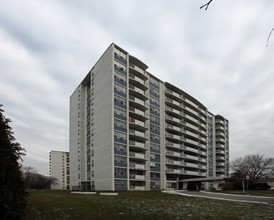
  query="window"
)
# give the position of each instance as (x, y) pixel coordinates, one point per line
(154, 137)
(154, 109)
(154, 175)
(154, 118)
(119, 111)
(154, 147)
(121, 183)
(120, 53)
(154, 165)
(154, 128)
(154, 100)
(119, 159)
(154, 81)
(119, 100)
(120, 124)
(120, 77)
(154, 156)
(120, 171)
(120, 88)
(119, 66)
(120, 136)
(154, 90)
(120, 147)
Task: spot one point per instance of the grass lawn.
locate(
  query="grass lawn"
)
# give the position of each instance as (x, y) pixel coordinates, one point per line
(45, 204)
(268, 193)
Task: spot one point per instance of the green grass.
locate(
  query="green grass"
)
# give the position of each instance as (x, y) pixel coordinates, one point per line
(267, 193)
(138, 205)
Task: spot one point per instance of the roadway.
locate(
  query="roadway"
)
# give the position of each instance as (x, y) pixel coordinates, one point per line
(223, 196)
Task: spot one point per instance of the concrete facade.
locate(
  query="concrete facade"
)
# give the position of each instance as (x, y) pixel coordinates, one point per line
(131, 131)
(59, 169)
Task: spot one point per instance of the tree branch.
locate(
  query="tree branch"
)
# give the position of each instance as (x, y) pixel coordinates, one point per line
(269, 36)
(206, 5)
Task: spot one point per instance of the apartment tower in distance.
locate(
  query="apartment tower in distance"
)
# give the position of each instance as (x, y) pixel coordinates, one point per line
(59, 169)
(131, 131)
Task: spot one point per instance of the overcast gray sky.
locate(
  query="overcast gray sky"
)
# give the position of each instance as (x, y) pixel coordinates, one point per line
(219, 56)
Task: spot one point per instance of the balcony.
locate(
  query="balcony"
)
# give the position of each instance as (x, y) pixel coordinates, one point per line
(136, 177)
(137, 144)
(173, 153)
(220, 152)
(136, 102)
(174, 162)
(175, 171)
(191, 157)
(220, 140)
(191, 165)
(189, 141)
(138, 92)
(220, 170)
(136, 166)
(175, 128)
(220, 158)
(219, 133)
(192, 119)
(176, 112)
(202, 159)
(192, 126)
(219, 127)
(136, 81)
(173, 119)
(191, 103)
(174, 103)
(218, 121)
(222, 146)
(196, 173)
(139, 114)
(137, 135)
(220, 164)
(173, 136)
(192, 134)
(173, 93)
(137, 69)
(192, 149)
(192, 111)
(137, 155)
(174, 145)
(137, 124)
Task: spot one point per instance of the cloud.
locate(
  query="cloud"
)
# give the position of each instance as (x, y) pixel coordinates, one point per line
(218, 56)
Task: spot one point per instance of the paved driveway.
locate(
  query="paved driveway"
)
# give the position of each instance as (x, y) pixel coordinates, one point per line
(223, 196)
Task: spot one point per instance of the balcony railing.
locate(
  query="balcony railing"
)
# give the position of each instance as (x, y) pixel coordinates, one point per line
(136, 166)
(136, 177)
(173, 119)
(137, 133)
(137, 155)
(136, 144)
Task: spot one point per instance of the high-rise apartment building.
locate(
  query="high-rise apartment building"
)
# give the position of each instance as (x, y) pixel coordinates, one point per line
(59, 169)
(131, 131)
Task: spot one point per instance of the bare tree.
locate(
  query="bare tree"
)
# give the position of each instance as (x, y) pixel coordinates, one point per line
(255, 167)
(34, 180)
(205, 6)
